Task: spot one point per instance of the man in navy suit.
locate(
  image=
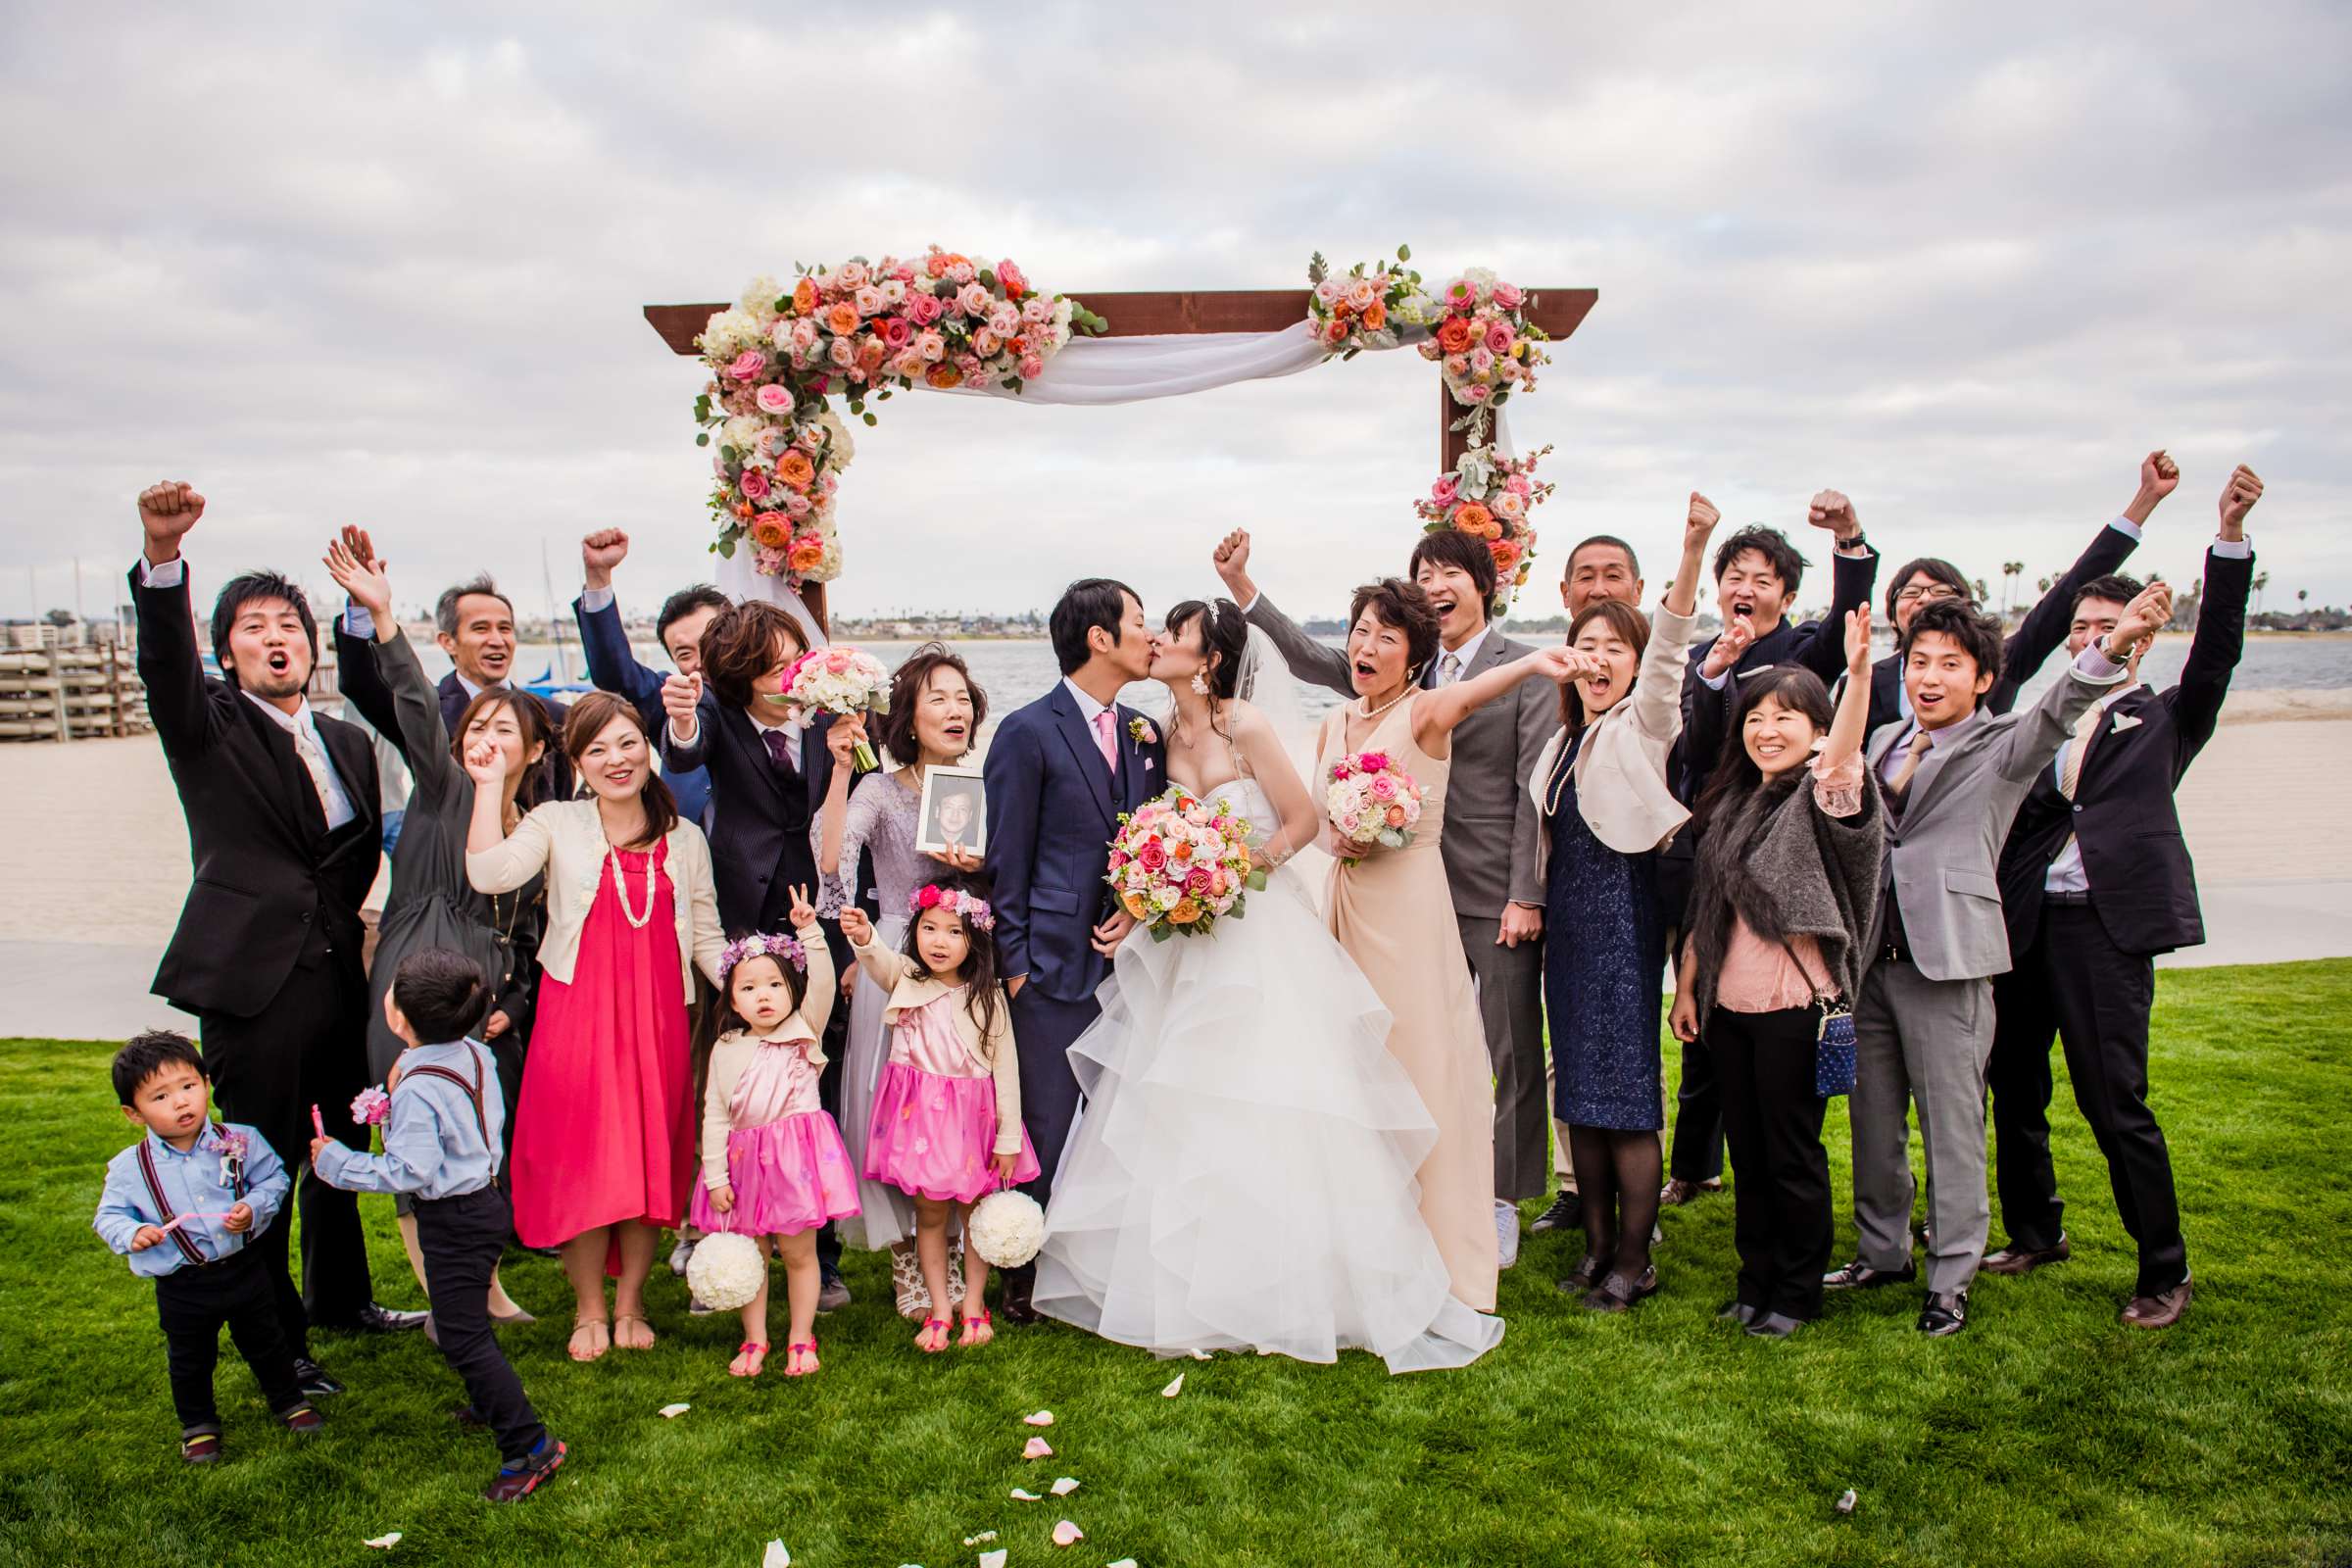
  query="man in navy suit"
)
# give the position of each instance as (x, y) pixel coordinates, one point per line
(1057, 775)
(612, 664)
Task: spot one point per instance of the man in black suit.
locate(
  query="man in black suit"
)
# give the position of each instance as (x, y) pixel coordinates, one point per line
(2095, 881)
(475, 626)
(284, 831)
(2041, 630)
(770, 767)
(1757, 573)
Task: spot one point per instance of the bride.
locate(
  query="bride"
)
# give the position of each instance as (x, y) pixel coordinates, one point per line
(1243, 1175)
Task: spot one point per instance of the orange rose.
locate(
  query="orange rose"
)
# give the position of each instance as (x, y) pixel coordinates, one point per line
(1187, 911)
(943, 375)
(804, 296)
(871, 352)
(1137, 907)
(1473, 518)
(795, 469)
(807, 553)
(772, 530)
(1376, 315)
(1454, 336)
(841, 318)
(742, 509)
(1507, 555)
(1182, 851)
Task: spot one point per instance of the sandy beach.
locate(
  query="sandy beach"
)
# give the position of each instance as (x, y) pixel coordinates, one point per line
(97, 884)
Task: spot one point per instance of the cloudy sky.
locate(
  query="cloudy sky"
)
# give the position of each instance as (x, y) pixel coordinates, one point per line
(385, 266)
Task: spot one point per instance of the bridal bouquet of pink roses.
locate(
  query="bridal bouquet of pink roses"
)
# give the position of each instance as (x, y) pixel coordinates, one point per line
(1372, 802)
(841, 680)
(1180, 864)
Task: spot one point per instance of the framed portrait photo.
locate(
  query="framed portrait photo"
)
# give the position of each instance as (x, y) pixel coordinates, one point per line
(954, 812)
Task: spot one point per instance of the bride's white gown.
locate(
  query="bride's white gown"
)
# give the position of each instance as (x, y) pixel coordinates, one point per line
(1241, 1177)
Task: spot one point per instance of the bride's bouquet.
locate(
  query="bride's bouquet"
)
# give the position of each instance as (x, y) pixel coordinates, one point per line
(1178, 864)
(1372, 802)
(841, 680)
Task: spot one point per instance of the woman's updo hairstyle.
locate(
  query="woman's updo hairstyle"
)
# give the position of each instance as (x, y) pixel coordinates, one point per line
(1224, 634)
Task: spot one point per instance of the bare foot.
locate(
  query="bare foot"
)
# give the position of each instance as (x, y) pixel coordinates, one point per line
(977, 1330)
(934, 1336)
(631, 1332)
(591, 1338)
(748, 1361)
(800, 1359)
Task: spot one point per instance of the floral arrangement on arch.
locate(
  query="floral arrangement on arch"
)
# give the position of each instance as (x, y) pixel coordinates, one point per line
(1369, 307)
(1485, 345)
(779, 357)
(1488, 497)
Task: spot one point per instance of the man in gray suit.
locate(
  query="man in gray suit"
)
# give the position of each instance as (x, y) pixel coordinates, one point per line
(1953, 775)
(1493, 859)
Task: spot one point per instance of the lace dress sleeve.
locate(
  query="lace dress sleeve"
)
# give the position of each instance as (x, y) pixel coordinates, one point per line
(1839, 791)
(837, 890)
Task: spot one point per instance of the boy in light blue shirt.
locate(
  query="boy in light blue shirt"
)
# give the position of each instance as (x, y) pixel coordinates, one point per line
(185, 1204)
(442, 1147)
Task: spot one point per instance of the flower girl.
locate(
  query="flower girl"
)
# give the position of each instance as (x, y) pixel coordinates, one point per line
(773, 1162)
(947, 1121)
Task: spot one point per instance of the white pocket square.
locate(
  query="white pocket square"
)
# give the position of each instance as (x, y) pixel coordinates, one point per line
(2123, 722)
(1147, 761)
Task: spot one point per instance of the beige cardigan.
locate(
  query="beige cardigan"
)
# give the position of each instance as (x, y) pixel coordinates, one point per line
(734, 1050)
(567, 838)
(1621, 769)
(909, 988)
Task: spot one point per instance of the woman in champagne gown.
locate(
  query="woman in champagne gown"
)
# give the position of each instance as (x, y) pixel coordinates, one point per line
(1392, 911)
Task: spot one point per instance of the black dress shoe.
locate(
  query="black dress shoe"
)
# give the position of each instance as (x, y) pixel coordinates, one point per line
(1945, 1315)
(1566, 1213)
(1015, 1305)
(1860, 1276)
(1582, 1278)
(313, 1379)
(375, 1319)
(1738, 1312)
(1774, 1324)
(1617, 1294)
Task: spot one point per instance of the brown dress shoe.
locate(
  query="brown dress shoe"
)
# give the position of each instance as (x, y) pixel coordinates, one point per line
(1679, 1191)
(2159, 1311)
(2016, 1259)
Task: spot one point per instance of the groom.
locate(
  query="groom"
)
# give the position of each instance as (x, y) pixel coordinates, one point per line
(1057, 775)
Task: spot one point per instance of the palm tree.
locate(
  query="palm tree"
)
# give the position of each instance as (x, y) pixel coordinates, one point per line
(1982, 592)
(2262, 580)
(2042, 585)
(2009, 571)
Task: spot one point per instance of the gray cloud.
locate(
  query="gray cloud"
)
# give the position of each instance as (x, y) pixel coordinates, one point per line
(1966, 265)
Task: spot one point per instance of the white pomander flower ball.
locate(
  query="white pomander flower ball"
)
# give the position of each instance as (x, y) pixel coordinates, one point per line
(1006, 1229)
(726, 1271)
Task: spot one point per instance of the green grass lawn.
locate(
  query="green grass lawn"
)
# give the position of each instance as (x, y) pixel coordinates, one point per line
(2046, 1433)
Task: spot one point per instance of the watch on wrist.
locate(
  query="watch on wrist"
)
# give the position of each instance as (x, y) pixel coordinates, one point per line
(1859, 544)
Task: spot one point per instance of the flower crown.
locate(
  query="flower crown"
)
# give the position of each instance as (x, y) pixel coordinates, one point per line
(931, 896)
(760, 945)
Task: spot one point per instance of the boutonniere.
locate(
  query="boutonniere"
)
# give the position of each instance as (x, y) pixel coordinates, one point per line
(2123, 722)
(1140, 731)
(232, 1161)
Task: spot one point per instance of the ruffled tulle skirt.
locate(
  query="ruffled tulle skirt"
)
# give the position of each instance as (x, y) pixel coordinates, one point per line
(791, 1175)
(1243, 1174)
(933, 1136)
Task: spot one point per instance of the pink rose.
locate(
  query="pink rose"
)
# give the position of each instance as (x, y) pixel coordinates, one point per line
(1118, 860)
(1396, 816)
(1445, 490)
(1461, 294)
(1196, 881)
(1498, 339)
(897, 333)
(1383, 787)
(1038, 310)
(796, 504)
(773, 399)
(868, 301)
(804, 333)
(755, 484)
(909, 363)
(853, 274)
(922, 309)
(1361, 293)
(1009, 275)
(1458, 365)
(984, 342)
(1519, 484)
(973, 300)
(1005, 320)
(960, 270)
(1218, 885)
(1374, 762)
(843, 353)
(747, 366)
(975, 374)
(1507, 296)
(1153, 857)
(933, 347)
(1477, 392)
(1482, 359)
(1327, 291)
(1032, 368)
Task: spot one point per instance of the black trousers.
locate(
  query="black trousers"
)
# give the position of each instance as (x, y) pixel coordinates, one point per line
(461, 1239)
(309, 1047)
(1782, 1224)
(194, 1303)
(2076, 984)
(1698, 1118)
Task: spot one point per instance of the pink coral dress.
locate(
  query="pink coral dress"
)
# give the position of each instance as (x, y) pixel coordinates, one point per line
(786, 1164)
(934, 1129)
(605, 1123)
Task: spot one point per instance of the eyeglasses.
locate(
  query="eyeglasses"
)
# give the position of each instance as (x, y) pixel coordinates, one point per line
(1937, 590)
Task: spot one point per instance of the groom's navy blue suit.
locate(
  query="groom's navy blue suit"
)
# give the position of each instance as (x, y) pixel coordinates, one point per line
(1052, 807)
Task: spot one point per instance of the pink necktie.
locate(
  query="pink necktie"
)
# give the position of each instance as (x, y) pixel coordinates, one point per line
(1103, 740)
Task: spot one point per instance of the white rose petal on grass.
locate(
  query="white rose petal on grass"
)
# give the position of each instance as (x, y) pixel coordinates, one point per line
(1846, 1505)
(1067, 1533)
(993, 1560)
(1037, 1448)
(1021, 1494)
(1065, 1486)
(982, 1539)
(671, 1412)
(775, 1556)
(1040, 1418)
(1173, 1389)
(1197, 1355)
(1123, 1562)
(383, 1543)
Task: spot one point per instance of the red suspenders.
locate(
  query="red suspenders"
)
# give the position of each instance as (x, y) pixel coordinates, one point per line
(481, 1123)
(162, 1207)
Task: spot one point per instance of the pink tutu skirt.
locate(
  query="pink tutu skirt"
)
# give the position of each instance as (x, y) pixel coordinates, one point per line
(933, 1136)
(791, 1175)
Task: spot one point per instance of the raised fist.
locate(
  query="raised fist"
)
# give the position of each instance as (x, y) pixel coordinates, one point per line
(167, 512)
(2144, 617)
(2237, 498)
(1729, 645)
(1701, 522)
(680, 696)
(2159, 475)
(486, 763)
(1831, 510)
(600, 553)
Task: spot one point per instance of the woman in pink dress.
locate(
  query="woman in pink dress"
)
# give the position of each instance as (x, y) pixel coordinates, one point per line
(605, 1126)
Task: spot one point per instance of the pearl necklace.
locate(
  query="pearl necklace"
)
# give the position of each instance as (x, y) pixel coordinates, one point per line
(620, 888)
(1374, 712)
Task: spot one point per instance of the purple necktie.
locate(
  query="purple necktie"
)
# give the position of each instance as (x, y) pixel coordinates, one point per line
(779, 751)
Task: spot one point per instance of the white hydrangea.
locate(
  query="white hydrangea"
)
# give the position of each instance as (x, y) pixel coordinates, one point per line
(843, 449)
(742, 432)
(760, 297)
(730, 331)
(1005, 1229)
(726, 1271)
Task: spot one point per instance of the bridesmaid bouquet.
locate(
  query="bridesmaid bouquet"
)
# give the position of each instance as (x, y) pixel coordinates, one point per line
(1372, 802)
(841, 680)
(1178, 864)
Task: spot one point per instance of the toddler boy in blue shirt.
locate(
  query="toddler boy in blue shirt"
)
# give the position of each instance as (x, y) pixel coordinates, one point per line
(442, 1147)
(185, 1204)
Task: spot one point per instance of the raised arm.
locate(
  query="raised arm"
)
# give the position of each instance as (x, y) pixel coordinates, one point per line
(411, 1151)
(1849, 725)
(1307, 658)
(170, 664)
(1853, 572)
(415, 726)
(1438, 711)
(2029, 745)
(819, 992)
(612, 664)
(689, 712)
(2043, 628)
(1011, 776)
(494, 861)
(1657, 695)
(2221, 635)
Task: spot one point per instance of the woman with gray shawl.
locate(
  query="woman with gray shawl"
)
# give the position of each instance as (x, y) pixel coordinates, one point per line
(1786, 886)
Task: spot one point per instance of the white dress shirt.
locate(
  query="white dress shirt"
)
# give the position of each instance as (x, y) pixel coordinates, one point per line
(1462, 655)
(2065, 873)
(1088, 708)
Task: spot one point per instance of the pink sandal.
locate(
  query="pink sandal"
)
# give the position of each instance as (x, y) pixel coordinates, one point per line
(981, 1318)
(930, 1323)
(751, 1347)
(792, 1359)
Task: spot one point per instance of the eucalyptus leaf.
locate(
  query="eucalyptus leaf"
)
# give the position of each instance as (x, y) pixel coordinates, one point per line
(703, 439)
